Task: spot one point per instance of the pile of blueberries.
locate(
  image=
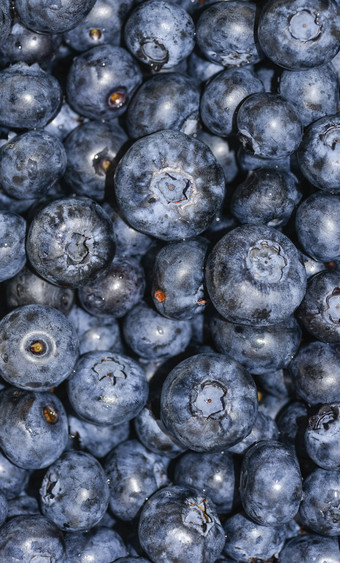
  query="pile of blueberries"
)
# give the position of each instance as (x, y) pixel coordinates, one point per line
(169, 281)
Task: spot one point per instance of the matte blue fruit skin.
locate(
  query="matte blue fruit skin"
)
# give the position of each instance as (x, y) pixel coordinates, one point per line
(319, 153)
(200, 68)
(278, 383)
(30, 97)
(244, 286)
(135, 474)
(261, 350)
(291, 421)
(95, 334)
(248, 161)
(322, 437)
(5, 13)
(132, 560)
(64, 122)
(74, 492)
(176, 512)
(107, 388)
(270, 483)
(33, 427)
(265, 428)
(299, 52)
(222, 96)
(34, 47)
(40, 15)
(12, 247)
(212, 474)
(159, 34)
(208, 402)
(26, 538)
(310, 547)
(23, 505)
(223, 152)
(319, 508)
(13, 479)
(100, 544)
(24, 328)
(129, 242)
(152, 336)
(165, 101)
(98, 74)
(269, 126)
(3, 508)
(70, 241)
(152, 434)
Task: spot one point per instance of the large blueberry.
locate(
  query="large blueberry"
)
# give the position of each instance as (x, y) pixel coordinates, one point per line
(319, 508)
(43, 16)
(12, 244)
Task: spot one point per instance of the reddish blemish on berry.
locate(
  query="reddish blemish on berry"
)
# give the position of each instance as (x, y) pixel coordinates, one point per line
(160, 296)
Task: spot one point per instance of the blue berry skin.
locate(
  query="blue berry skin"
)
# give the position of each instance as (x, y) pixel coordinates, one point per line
(38, 347)
(13, 479)
(322, 437)
(291, 421)
(301, 34)
(3, 508)
(314, 92)
(165, 101)
(270, 483)
(30, 163)
(129, 242)
(319, 153)
(95, 334)
(107, 388)
(232, 42)
(247, 161)
(12, 245)
(261, 350)
(200, 68)
(266, 197)
(222, 96)
(169, 185)
(23, 504)
(159, 34)
(316, 373)
(42, 16)
(134, 474)
(255, 276)
(317, 226)
(310, 547)
(269, 126)
(318, 311)
(116, 291)
(223, 152)
(64, 122)
(92, 153)
(319, 508)
(178, 276)
(152, 336)
(211, 474)
(103, 24)
(100, 544)
(96, 440)
(26, 288)
(278, 383)
(132, 560)
(101, 81)
(70, 241)
(74, 492)
(152, 434)
(24, 45)
(188, 528)
(270, 405)
(27, 538)
(5, 16)
(30, 97)
(208, 402)
(265, 428)
(33, 427)
(246, 540)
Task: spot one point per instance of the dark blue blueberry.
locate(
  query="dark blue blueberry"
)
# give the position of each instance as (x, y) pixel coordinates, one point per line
(74, 492)
(23, 504)
(278, 383)
(107, 388)
(169, 185)
(5, 17)
(132, 560)
(316, 373)
(319, 508)
(265, 428)
(223, 152)
(151, 335)
(153, 435)
(313, 266)
(310, 547)
(212, 474)
(226, 34)
(3, 508)
(159, 34)
(129, 242)
(269, 126)
(255, 276)
(95, 333)
(222, 96)
(209, 402)
(41, 15)
(30, 97)
(12, 244)
(134, 474)
(13, 479)
(247, 161)
(101, 545)
(292, 421)
(261, 350)
(179, 524)
(165, 101)
(64, 122)
(24, 45)
(300, 34)
(92, 152)
(322, 437)
(31, 537)
(266, 197)
(33, 427)
(270, 405)
(200, 68)
(38, 347)
(70, 241)
(101, 81)
(317, 226)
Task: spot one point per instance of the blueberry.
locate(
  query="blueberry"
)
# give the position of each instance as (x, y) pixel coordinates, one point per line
(5, 14)
(129, 242)
(95, 333)
(12, 244)
(64, 122)
(42, 16)
(319, 508)
(13, 479)
(202, 69)
(310, 547)
(100, 544)
(322, 437)
(23, 505)
(24, 45)
(152, 434)
(223, 152)
(264, 428)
